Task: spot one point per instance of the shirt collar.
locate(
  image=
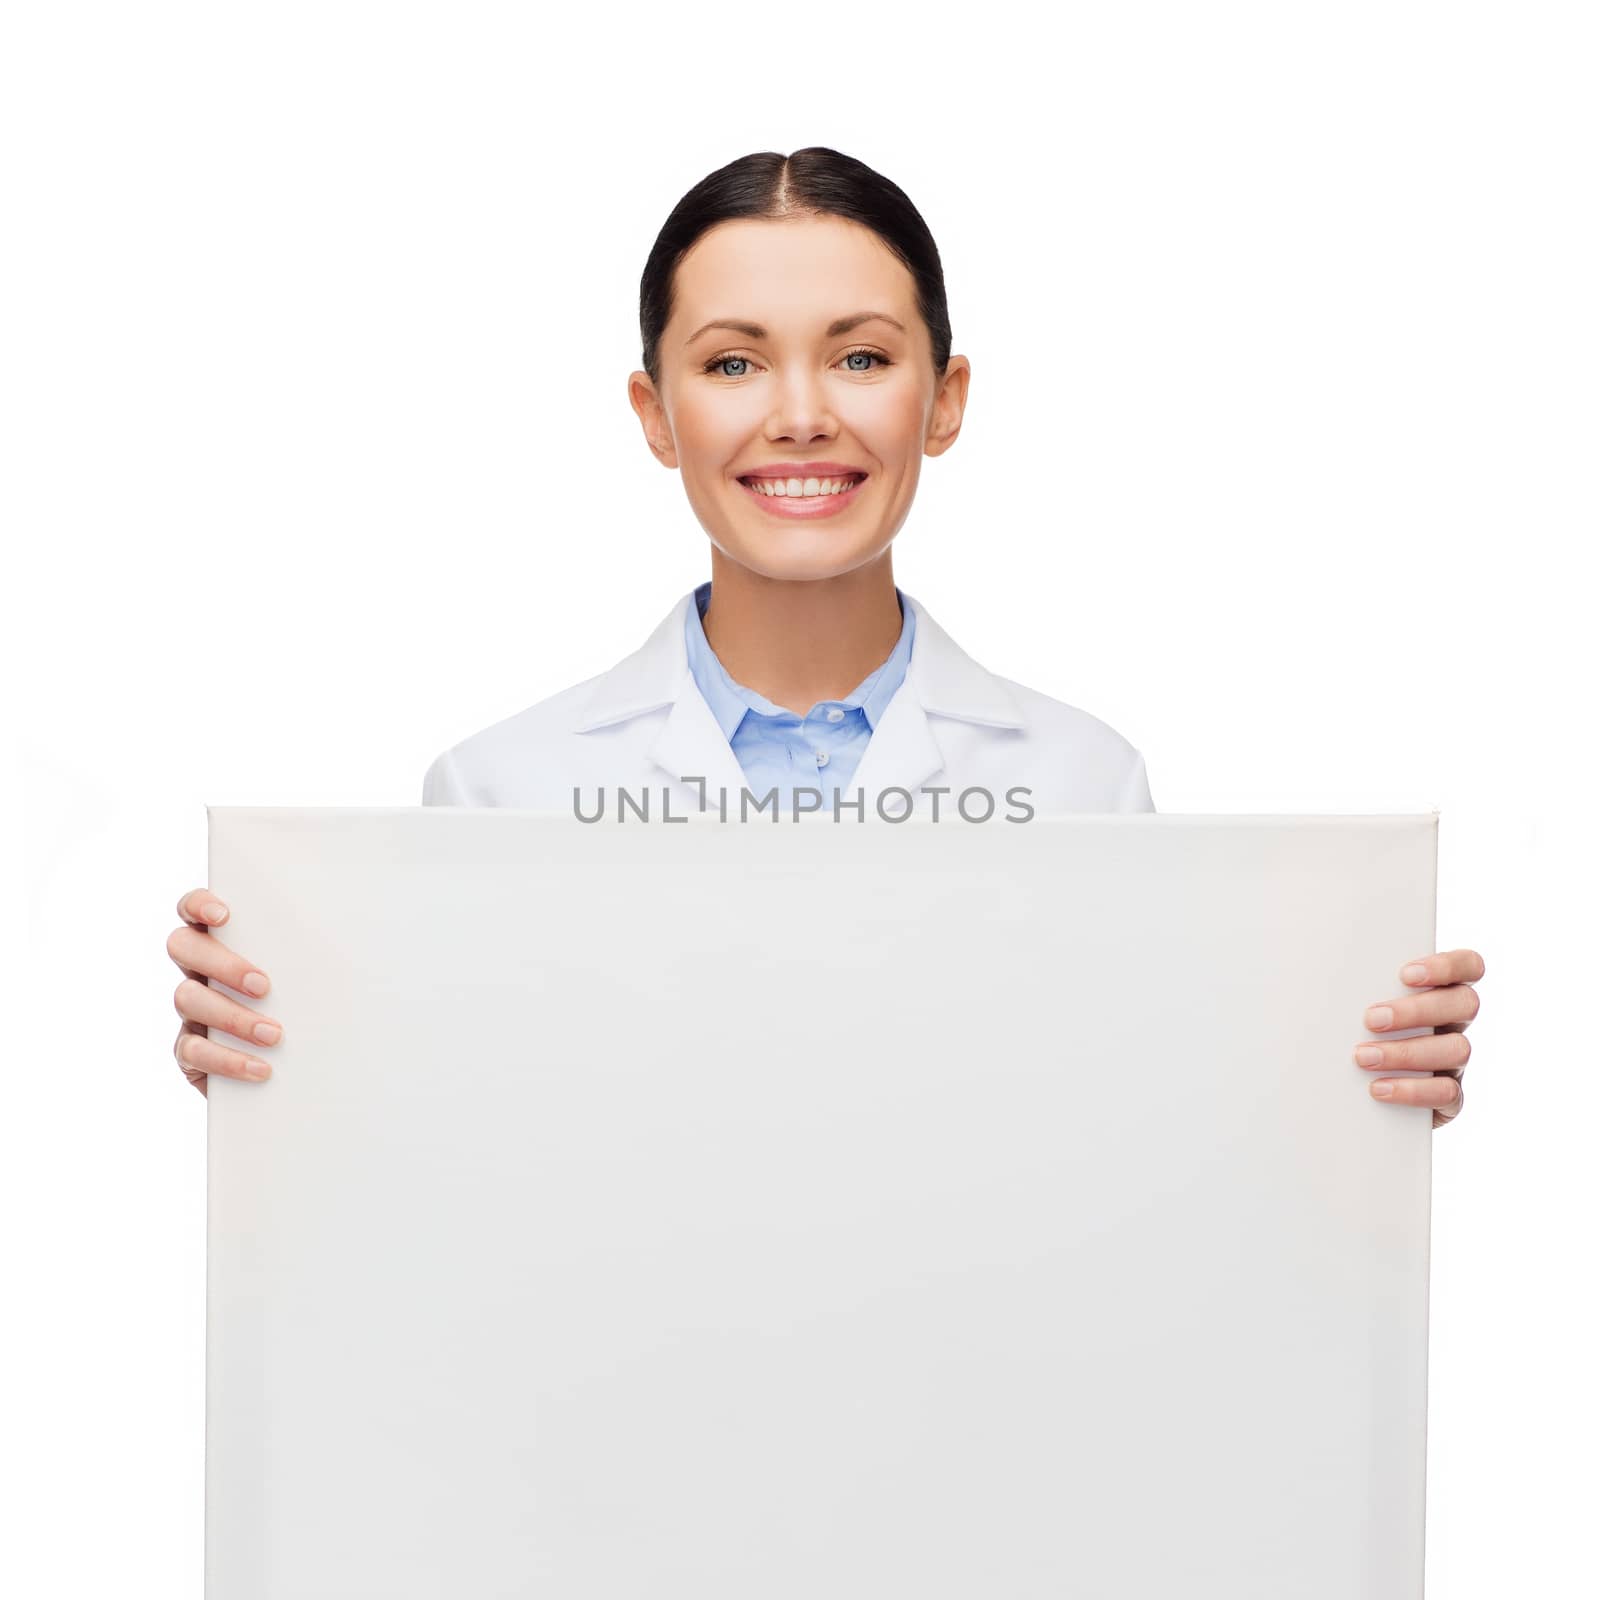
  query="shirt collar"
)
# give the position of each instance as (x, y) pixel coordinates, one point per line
(941, 678)
(729, 701)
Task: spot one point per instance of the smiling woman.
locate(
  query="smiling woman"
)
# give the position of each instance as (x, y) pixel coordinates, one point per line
(797, 370)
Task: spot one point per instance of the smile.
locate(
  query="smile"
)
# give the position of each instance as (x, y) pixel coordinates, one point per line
(804, 497)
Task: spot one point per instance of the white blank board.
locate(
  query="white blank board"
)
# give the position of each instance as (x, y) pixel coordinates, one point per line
(832, 1212)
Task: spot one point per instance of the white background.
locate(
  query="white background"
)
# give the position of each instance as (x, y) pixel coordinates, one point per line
(1279, 457)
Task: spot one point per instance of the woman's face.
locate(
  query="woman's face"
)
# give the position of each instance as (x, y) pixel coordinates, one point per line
(792, 385)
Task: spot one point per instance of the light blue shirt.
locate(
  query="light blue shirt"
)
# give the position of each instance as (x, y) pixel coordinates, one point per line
(778, 748)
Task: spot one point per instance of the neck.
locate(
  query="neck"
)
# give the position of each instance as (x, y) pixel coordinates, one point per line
(798, 642)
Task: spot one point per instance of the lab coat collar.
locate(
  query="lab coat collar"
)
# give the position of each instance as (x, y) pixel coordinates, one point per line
(942, 679)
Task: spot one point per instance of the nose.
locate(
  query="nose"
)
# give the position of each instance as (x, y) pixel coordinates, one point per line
(801, 415)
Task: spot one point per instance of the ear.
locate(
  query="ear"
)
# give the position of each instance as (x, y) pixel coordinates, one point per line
(652, 414)
(949, 404)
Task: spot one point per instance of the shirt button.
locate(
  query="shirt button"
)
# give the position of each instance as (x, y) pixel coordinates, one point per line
(835, 715)
(822, 758)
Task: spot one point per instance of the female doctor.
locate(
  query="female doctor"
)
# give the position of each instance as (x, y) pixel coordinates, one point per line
(797, 369)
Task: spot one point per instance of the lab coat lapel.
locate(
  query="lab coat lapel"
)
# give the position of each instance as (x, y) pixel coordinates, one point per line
(691, 744)
(904, 750)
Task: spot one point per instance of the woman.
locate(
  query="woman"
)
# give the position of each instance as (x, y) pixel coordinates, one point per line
(797, 368)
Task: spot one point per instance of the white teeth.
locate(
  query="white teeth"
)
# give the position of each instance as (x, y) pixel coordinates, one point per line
(801, 486)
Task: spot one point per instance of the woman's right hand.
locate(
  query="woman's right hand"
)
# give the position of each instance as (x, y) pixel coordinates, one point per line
(199, 957)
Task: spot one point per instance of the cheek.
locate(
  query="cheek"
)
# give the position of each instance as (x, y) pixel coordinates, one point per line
(890, 420)
(710, 433)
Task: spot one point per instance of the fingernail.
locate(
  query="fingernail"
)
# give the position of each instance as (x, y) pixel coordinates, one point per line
(255, 983)
(268, 1032)
(1384, 1089)
(1379, 1016)
(1369, 1055)
(257, 1069)
(214, 912)
(1415, 973)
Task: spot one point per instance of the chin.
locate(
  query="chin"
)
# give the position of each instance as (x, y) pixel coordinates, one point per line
(801, 555)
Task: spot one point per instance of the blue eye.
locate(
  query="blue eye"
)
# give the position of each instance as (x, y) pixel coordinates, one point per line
(722, 361)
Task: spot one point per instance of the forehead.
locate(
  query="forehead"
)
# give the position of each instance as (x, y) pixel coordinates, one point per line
(789, 273)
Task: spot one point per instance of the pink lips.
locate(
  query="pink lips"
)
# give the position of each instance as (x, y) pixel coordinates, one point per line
(806, 469)
(805, 507)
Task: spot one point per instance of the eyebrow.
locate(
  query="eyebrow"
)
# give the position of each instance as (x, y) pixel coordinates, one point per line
(754, 330)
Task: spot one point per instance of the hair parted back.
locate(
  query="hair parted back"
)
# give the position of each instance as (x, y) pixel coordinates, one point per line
(815, 181)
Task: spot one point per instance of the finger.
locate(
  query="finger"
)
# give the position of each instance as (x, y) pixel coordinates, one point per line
(201, 1058)
(1442, 1093)
(203, 908)
(203, 955)
(1427, 1052)
(1432, 1007)
(1444, 1114)
(199, 1003)
(1444, 966)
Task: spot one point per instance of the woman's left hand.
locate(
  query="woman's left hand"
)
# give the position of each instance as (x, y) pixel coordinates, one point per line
(1441, 994)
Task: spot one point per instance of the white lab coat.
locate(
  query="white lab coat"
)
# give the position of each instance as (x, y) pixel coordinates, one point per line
(644, 726)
